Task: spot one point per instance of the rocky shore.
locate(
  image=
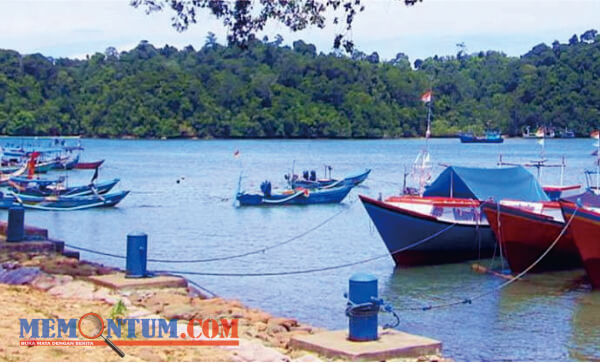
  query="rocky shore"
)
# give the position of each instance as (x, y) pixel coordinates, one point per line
(50, 285)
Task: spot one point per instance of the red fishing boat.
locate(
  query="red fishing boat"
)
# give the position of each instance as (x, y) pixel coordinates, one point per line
(89, 165)
(525, 231)
(585, 228)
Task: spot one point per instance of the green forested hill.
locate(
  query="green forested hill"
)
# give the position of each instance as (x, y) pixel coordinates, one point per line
(272, 91)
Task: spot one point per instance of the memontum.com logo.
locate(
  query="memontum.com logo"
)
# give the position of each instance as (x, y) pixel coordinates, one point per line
(92, 330)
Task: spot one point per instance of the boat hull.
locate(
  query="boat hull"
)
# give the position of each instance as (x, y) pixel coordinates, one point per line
(399, 228)
(353, 180)
(474, 139)
(331, 195)
(70, 203)
(585, 228)
(101, 187)
(524, 236)
(89, 165)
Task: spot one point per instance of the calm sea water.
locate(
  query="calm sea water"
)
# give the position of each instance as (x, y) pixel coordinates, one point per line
(546, 317)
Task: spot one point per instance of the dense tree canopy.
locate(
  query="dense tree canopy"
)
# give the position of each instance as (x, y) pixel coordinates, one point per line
(269, 90)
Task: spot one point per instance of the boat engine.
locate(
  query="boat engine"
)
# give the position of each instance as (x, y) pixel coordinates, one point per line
(265, 187)
(313, 175)
(305, 175)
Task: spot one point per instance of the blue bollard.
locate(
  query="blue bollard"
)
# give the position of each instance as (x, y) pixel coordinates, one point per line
(362, 307)
(15, 231)
(137, 249)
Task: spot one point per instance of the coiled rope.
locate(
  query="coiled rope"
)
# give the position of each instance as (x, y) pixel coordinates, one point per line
(206, 260)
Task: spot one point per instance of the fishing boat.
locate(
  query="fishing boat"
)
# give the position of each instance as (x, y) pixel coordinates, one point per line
(541, 132)
(525, 230)
(62, 203)
(5, 177)
(69, 162)
(566, 133)
(489, 137)
(45, 187)
(299, 196)
(309, 180)
(448, 214)
(585, 228)
(89, 165)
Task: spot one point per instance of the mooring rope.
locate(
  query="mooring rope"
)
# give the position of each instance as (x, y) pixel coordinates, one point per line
(314, 270)
(206, 260)
(512, 280)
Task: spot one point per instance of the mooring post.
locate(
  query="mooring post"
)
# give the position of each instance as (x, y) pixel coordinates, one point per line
(15, 231)
(137, 250)
(363, 307)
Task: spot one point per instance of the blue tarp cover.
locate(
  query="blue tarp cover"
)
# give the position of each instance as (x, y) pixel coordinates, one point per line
(514, 183)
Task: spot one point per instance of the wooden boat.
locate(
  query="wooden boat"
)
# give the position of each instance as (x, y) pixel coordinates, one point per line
(56, 187)
(585, 228)
(300, 196)
(490, 137)
(62, 203)
(405, 220)
(540, 133)
(450, 202)
(525, 230)
(89, 165)
(5, 177)
(309, 180)
(68, 162)
(566, 133)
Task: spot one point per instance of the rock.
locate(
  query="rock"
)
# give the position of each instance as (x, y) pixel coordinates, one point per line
(23, 275)
(11, 265)
(287, 323)
(74, 289)
(46, 281)
(252, 350)
(307, 358)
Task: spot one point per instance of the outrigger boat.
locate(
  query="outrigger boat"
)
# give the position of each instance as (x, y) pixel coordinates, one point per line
(585, 229)
(299, 196)
(62, 203)
(447, 216)
(44, 187)
(489, 137)
(309, 179)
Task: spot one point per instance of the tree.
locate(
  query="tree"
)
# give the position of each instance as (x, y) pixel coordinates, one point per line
(244, 19)
(589, 36)
(211, 40)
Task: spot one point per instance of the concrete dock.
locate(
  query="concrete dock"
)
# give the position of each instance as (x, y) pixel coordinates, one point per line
(391, 344)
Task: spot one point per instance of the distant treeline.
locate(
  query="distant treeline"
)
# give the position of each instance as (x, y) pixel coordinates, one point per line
(274, 91)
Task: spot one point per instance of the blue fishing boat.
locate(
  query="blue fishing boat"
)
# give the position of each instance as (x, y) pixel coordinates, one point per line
(309, 180)
(490, 137)
(446, 225)
(45, 187)
(299, 196)
(62, 203)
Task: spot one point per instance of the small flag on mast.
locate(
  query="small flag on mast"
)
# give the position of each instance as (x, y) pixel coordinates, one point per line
(595, 134)
(426, 97)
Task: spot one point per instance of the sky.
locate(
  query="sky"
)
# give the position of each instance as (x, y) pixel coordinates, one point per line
(68, 28)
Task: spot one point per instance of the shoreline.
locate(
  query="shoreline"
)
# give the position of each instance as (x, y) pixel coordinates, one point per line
(46, 283)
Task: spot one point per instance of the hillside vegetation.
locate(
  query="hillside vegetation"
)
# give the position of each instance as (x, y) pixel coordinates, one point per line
(274, 91)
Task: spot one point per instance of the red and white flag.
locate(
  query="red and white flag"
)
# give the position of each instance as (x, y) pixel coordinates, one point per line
(426, 97)
(595, 134)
